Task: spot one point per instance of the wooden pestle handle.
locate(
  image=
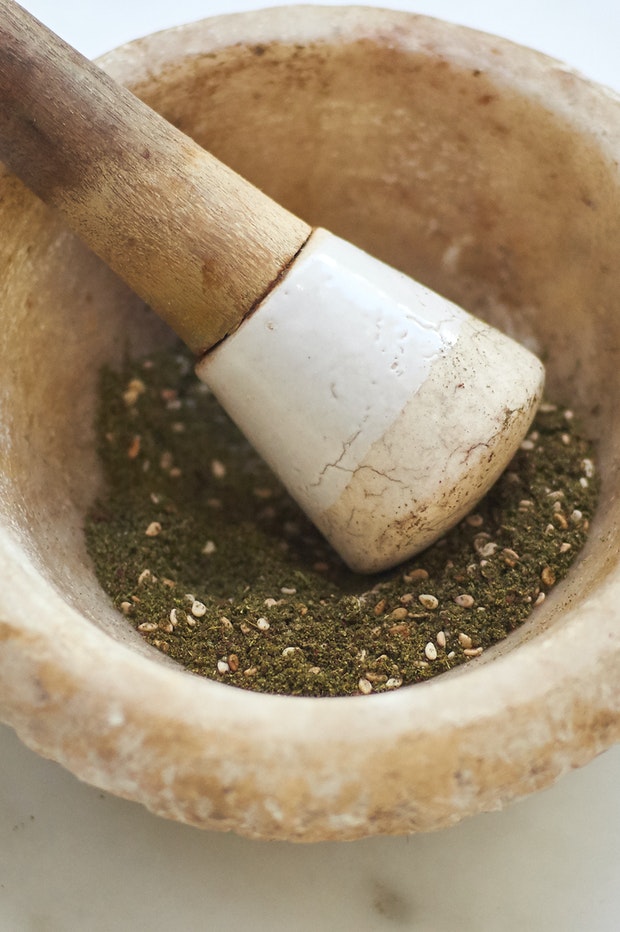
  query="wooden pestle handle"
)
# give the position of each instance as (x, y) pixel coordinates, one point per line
(193, 239)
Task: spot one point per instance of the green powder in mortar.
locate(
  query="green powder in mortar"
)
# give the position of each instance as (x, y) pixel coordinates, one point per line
(198, 544)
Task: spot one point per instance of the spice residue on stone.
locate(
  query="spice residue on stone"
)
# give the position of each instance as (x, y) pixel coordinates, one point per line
(208, 557)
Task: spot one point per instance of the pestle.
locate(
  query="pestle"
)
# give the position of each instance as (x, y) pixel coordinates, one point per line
(386, 410)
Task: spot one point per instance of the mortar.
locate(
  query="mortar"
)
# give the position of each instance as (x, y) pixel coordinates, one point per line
(485, 170)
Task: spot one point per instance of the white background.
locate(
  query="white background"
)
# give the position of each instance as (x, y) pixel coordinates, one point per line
(73, 859)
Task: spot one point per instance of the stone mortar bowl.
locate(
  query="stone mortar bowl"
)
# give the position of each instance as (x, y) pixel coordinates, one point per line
(485, 170)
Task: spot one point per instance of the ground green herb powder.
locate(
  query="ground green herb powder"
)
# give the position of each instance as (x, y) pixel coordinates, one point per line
(213, 563)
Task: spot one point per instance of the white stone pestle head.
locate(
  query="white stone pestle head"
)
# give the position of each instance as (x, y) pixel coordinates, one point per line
(386, 410)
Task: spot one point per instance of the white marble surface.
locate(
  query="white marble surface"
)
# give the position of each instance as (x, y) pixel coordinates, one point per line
(73, 859)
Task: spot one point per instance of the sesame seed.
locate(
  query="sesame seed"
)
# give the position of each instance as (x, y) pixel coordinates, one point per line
(430, 651)
(135, 388)
(464, 600)
(510, 557)
(148, 626)
(222, 666)
(398, 614)
(373, 678)
(394, 682)
(588, 467)
(428, 601)
(218, 469)
(548, 576)
(262, 624)
(287, 590)
(209, 548)
(364, 686)
(481, 544)
(198, 609)
(416, 575)
(465, 640)
(441, 639)
(153, 529)
(134, 447)
(472, 651)
(474, 520)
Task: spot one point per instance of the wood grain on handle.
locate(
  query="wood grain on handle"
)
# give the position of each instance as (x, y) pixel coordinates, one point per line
(193, 239)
